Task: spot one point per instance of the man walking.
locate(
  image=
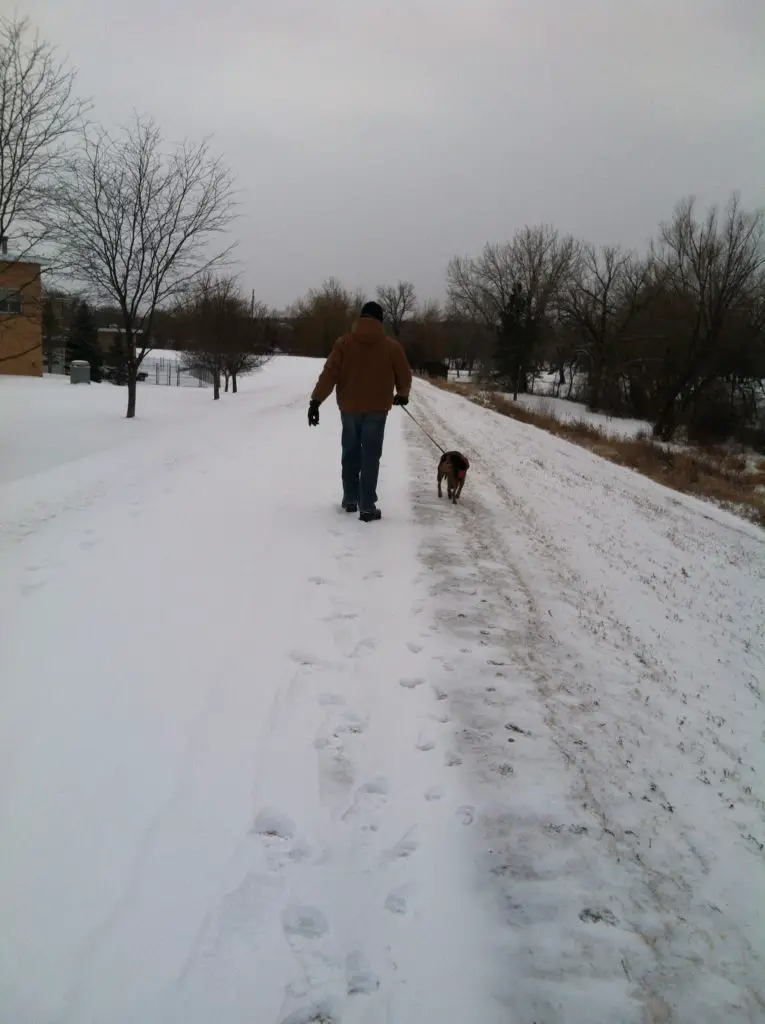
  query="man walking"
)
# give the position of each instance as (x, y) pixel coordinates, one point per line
(364, 366)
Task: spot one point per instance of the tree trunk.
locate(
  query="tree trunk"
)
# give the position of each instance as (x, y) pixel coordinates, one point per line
(678, 397)
(596, 377)
(517, 386)
(226, 384)
(595, 389)
(669, 414)
(132, 386)
(233, 383)
(131, 371)
(216, 386)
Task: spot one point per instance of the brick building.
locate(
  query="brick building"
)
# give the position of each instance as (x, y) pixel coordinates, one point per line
(21, 334)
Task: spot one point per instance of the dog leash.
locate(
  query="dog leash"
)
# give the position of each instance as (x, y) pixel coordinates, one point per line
(429, 436)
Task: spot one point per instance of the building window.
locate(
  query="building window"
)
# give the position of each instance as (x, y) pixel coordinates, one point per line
(10, 301)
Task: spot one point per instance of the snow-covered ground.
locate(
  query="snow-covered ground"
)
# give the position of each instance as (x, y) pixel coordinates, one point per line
(262, 763)
(544, 401)
(566, 411)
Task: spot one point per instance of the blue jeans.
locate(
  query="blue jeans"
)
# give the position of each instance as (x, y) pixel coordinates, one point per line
(362, 442)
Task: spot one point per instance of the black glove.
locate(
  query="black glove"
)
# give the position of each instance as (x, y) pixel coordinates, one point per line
(401, 400)
(313, 414)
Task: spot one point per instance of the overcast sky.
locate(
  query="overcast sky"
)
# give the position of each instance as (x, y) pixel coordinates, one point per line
(375, 139)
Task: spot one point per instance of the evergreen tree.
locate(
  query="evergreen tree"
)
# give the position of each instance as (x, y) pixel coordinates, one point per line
(83, 340)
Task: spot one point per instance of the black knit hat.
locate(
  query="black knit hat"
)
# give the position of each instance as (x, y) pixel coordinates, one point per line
(373, 310)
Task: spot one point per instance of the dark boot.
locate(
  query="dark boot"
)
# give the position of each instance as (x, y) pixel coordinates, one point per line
(350, 506)
(371, 515)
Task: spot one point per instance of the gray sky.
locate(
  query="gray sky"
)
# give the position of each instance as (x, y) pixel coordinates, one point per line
(374, 140)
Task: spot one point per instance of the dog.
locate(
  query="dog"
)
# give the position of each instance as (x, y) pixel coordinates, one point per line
(453, 466)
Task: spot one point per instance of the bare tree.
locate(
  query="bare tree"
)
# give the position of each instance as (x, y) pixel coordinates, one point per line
(512, 288)
(425, 340)
(250, 343)
(224, 335)
(135, 223)
(203, 319)
(711, 272)
(608, 290)
(39, 114)
(322, 316)
(537, 260)
(398, 303)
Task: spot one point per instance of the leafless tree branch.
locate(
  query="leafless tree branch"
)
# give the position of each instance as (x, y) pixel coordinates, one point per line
(39, 116)
(135, 222)
(398, 302)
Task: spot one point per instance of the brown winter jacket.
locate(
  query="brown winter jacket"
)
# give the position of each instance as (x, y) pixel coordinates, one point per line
(364, 366)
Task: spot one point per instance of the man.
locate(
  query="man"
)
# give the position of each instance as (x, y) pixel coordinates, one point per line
(365, 366)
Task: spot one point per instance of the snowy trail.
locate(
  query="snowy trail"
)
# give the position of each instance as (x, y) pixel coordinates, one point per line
(261, 762)
(229, 683)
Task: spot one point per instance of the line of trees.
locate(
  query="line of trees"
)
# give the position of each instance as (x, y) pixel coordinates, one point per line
(675, 335)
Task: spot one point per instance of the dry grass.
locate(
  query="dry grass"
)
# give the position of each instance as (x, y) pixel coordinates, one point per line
(707, 474)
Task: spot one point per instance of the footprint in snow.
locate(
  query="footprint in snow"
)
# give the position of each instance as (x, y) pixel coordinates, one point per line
(363, 646)
(274, 825)
(397, 900)
(367, 798)
(452, 760)
(360, 980)
(434, 793)
(404, 848)
(425, 744)
(414, 648)
(378, 787)
(353, 723)
(305, 922)
(307, 660)
(317, 1013)
(466, 814)
(336, 772)
(411, 684)
(447, 666)
(330, 700)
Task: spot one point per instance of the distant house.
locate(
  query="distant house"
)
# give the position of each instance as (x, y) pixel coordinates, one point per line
(21, 333)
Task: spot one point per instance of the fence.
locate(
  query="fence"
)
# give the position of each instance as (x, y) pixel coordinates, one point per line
(173, 373)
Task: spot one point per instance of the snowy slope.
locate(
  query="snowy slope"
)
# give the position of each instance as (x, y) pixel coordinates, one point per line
(261, 762)
(566, 411)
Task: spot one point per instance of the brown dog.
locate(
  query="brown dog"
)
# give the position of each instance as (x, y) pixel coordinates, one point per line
(453, 466)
